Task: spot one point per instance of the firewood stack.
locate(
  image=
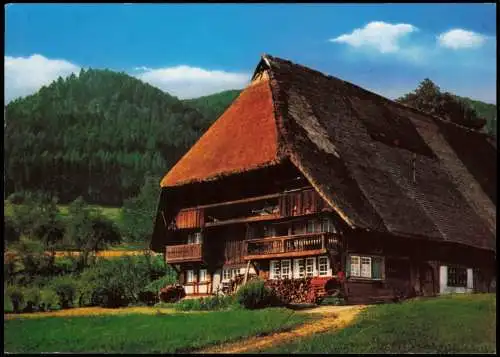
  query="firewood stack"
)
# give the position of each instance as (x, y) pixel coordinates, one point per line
(291, 291)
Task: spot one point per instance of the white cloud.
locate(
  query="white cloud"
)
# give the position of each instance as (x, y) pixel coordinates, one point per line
(459, 39)
(379, 35)
(26, 75)
(142, 68)
(191, 82)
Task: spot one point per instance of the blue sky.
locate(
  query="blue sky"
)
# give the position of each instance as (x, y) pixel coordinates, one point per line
(190, 50)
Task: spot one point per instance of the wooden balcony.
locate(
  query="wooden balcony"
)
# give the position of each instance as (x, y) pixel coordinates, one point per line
(290, 246)
(184, 253)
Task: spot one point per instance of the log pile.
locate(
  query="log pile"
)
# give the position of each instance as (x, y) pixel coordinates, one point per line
(291, 291)
(306, 290)
(171, 293)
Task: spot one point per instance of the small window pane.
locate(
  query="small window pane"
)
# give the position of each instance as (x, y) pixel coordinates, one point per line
(323, 266)
(203, 274)
(275, 269)
(299, 268)
(355, 267)
(310, 226)
(286, 272)
(190, 276)
(457, 276)
(310, 266)
(366, 267)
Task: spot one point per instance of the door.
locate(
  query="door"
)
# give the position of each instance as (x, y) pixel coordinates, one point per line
(427, 286)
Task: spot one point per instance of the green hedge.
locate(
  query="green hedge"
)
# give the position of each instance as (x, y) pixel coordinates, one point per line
(206, 303)
(255, 295)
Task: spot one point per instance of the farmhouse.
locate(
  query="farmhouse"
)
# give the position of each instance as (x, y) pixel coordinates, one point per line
(306, 174)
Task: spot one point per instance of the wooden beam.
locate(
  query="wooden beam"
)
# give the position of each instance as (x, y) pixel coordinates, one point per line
(246, 200)
(286, 254)
(243, 200)
(246, 273)
(164, 220)
(300, 235)
(243, 220)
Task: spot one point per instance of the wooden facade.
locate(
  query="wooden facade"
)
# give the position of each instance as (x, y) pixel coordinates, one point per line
(297, 225)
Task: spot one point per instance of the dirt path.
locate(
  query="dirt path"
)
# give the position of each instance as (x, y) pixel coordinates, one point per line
(334, 317)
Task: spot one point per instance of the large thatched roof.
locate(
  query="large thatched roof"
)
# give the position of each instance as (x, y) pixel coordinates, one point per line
(382, 166)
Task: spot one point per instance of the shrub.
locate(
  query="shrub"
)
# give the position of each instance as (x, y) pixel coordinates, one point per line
(16, 198)
(156, 285)
(333, 300)
(122, 281)
(66, 265)
(255, 295)
(16, 296)
(162, 289)
(31, 260)
(104, 232)
(48, 299)
(38, 217)
(11, 234)
(205, 304)
(66, 289)
(32, 299)
(164, 305)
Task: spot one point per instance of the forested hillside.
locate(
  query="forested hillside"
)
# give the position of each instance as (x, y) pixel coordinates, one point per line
(214, 105)
(486, 111)
(96, 135)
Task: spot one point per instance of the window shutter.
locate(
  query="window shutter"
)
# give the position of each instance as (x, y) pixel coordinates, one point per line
(377, 267)
(348, 267)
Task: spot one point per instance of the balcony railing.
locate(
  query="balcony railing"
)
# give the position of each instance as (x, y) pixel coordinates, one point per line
(184, 253)
(296, 245)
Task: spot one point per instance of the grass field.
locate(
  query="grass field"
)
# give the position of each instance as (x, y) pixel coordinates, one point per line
(140, 333)
(112, 213)
(451, 324)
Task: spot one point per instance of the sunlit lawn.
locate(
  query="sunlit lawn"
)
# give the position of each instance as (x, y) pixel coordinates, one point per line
(451, 324)
(141, 333)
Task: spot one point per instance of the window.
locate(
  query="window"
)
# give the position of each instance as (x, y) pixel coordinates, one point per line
(457, 276)
(323, 266)
(194, 238)
(298, 228)
(366, 267)
(190, 276)
(269, 231)
(203, 274)
(286, 271)
(355, 271)
(281, 230)
(230, 273)
(299, 269)
(327, 225)
(310, 266)
(275, 269)
(310, 226)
